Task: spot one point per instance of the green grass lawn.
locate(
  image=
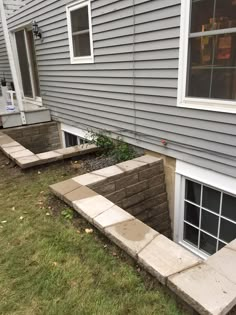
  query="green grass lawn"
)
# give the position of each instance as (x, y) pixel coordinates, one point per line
(50, 265)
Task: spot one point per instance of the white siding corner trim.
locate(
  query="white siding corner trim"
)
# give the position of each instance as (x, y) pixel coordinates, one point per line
(207, 177)
(70, 8)
(182, 100)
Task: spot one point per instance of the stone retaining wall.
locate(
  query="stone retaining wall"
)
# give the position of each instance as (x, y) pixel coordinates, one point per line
(141, 192)
(37, 138)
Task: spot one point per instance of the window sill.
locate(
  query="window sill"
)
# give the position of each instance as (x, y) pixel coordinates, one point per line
(82, 60)
(209, 105)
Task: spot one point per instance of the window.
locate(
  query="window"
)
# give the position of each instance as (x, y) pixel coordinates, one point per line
(70, 140)
(80, 32)
(72, 136)
(208, 55)
(209, 217)
(205, 215)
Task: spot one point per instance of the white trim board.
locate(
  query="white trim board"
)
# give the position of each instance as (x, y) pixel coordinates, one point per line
(208, 177)
(227, 106)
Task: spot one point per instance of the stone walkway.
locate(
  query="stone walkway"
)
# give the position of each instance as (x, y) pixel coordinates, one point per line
(25, 158)
(207, 286)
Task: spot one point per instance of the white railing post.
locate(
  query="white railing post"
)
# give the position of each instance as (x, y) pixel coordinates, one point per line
(12, 62)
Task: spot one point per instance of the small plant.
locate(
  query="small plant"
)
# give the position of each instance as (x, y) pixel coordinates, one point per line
(102, 141)
(118, 149)
(123, 151)
(67, 214)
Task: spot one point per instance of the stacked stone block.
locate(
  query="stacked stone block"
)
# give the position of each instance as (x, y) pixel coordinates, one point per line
(37, 138)
(142, 193)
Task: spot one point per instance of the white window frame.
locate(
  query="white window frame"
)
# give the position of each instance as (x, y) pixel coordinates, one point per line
(73, 7)
(79, 133)
(182, 99)
(203, 176)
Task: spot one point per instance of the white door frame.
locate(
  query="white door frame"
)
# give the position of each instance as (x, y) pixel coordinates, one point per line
(25, 27)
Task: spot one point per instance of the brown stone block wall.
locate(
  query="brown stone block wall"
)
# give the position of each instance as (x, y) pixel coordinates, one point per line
(142, 193)
(37, 138)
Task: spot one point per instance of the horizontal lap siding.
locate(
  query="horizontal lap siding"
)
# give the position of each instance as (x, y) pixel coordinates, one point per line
(131, 88)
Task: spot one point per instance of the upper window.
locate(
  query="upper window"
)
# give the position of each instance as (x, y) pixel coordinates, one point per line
(80, 32)
(210, 51)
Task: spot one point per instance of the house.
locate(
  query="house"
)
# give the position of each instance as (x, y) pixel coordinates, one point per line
(159, 73)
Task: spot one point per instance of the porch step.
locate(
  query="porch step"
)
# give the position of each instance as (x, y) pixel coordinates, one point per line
(40, 115)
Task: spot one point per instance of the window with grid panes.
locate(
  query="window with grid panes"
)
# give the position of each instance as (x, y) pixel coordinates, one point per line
(209, 217)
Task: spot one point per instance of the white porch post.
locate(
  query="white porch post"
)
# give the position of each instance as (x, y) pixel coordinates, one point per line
(12, 62)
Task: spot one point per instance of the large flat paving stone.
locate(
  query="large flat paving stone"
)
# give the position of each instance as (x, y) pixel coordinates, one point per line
(12, 149)
(69, 152)
(91, 207)
(21, 154)
(109, 171)
(11, 144)
(163, 258)
(80, 193)
(204, 289)
(132, 235)
(112, 216)
(4, 139)
(88, 179)
(224, 261)
(28, 161)
(148, 159)
(131, 165)
(63, 188)
(50, 156)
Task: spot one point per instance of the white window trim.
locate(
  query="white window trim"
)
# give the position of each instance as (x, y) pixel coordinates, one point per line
(72, 7)
(80, 133)
(207, 177)
(182, 100)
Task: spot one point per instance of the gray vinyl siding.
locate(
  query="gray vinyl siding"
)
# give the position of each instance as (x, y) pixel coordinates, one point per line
(5, 70)
(131, 89)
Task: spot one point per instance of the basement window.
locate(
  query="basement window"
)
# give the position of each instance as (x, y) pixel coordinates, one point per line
(209, 217)
(205, 218)
(80, 32)
(72, 136)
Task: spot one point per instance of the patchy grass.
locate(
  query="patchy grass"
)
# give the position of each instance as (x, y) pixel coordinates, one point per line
(50, 265)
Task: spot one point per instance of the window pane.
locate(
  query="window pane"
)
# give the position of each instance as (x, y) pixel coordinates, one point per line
(227, 231)
(193, 192)
(80, 20)
(204, 18)
(81, 45)
(202, 15)
(221, 245)
(24, 63)
(192, 214)
(209, 223)
(190, 234)
(212, 67)
(225, 15)
(207, 243)
(229, 207)
(70, 140)
(224, 84)
(211, 199)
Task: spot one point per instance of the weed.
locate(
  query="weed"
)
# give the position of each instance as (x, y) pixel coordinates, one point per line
(118, 149)
(67, 214)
